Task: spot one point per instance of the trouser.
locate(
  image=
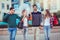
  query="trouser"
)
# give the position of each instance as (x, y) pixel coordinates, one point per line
(36, 32)
(25, 34)
(12, 32)
(47, 30)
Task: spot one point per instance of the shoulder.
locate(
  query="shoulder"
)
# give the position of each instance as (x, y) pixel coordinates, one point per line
(16, 14)
(39, 12)
(32, 12)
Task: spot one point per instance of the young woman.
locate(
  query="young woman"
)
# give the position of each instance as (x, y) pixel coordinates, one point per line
(48, 23)
(25, 24)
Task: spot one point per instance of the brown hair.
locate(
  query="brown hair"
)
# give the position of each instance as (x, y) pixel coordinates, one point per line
(34, 5)
(11, 8)
(47, 13)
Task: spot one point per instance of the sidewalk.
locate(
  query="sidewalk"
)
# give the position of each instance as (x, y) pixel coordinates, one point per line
(4, 31)
(55, 34)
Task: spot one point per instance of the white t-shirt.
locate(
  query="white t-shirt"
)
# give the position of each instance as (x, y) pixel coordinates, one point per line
(47, 21)
(25, 22)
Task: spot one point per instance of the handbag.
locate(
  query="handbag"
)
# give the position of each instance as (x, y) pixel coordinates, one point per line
(20, 25)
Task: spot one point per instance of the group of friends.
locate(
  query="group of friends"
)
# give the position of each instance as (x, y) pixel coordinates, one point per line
(38, 19)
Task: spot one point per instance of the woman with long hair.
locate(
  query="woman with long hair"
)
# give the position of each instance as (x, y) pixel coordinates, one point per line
(47, 24)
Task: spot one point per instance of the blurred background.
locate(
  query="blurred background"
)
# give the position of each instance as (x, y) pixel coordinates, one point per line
(19, 5)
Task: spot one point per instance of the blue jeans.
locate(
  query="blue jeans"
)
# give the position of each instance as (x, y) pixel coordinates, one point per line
(25, 34)
(47, 30)
(12, 32)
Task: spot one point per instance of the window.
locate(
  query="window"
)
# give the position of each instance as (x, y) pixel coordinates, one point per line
(7, 7)
(2, 5)
(16, 6)
(26, 1)
(15, 0)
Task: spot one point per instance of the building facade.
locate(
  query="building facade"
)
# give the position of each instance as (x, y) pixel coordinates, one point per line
(45, 4)
(5, 5)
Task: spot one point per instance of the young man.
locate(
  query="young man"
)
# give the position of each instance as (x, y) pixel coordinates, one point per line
(11, 20)
(36, 21)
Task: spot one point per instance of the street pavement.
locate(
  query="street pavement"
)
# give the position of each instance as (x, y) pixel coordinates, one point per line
(55, 34)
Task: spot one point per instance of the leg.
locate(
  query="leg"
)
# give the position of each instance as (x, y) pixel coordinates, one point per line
(25, 33)
(14, 34)
(49, 30)
(10, 32)
(45, 32)
(34, 33)
(37, 33)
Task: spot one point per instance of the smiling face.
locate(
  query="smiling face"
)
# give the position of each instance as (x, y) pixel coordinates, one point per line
(12, 11)
(35, 8)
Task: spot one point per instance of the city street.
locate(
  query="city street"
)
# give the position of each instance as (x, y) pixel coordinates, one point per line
(55, 34)
(30, 14)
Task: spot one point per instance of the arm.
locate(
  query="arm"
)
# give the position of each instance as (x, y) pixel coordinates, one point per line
(5, 17)
(41, 18)
(18, 16)
(21, 19)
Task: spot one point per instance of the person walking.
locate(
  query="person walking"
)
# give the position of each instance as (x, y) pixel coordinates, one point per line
(11, 20)
(36, 21)
(24, 19)
(48, 24)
